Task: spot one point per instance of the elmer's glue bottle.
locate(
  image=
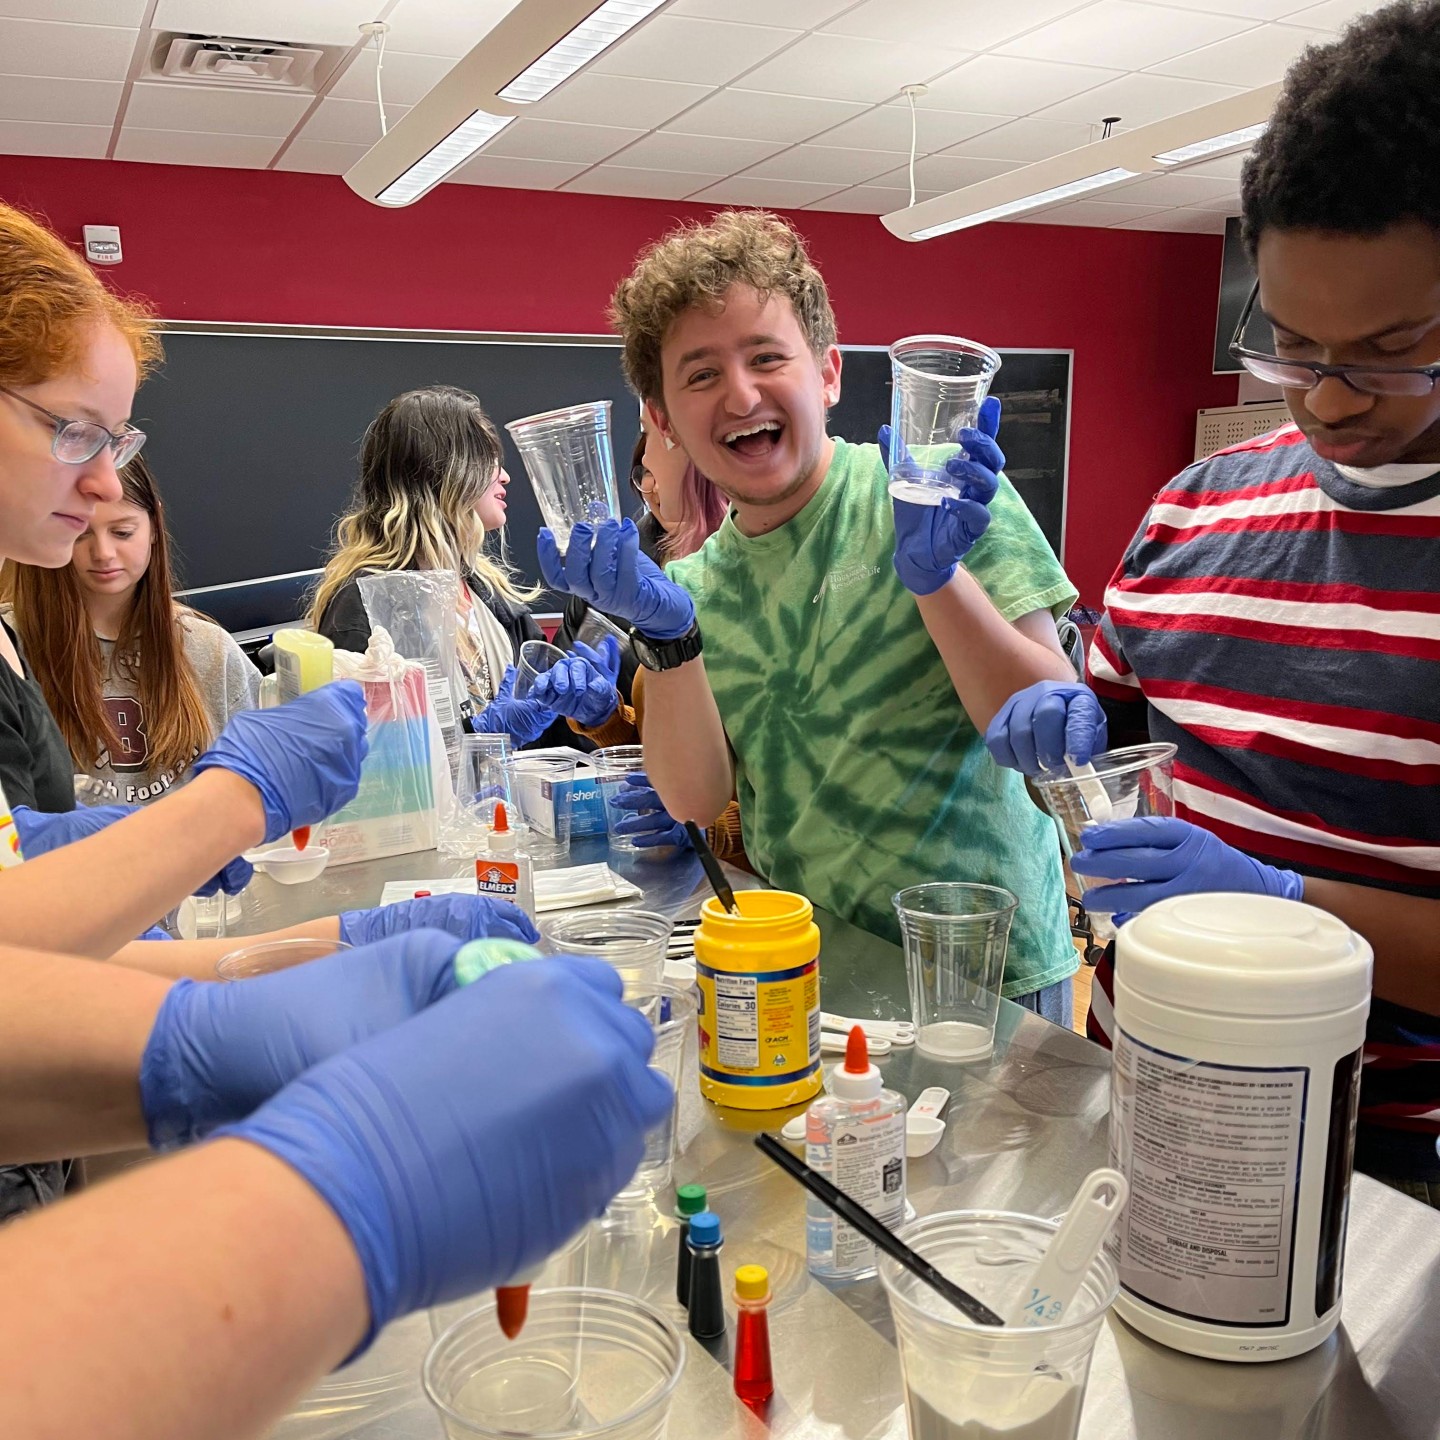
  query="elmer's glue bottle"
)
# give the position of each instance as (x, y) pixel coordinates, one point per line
(505, 871)
(855, 1138)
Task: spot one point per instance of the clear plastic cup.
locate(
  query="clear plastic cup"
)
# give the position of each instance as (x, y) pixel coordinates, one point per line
(571, 465)
(938, 384)
(273, 955)
(541, 787)
(567, 1267)
(955, 937)
(480, 777)
(1137, 780)
(596, 627)
(633, 941)
(589, 1365)
(981, 1382)
(671, 1011)
(612, 765)
(536, 657)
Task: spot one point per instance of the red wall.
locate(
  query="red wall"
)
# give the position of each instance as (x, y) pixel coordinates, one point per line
(1137, 308)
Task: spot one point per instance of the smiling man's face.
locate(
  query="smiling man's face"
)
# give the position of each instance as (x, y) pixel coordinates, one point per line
(746, 397)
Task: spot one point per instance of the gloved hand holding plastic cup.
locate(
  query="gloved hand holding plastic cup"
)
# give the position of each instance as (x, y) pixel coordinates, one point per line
(643, 822)
(522, 719)
(571, 466)
(578, 688)
(302, 757)
(1045, 727)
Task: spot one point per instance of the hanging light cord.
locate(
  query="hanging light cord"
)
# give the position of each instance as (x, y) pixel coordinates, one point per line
(379, 93)
(910, 96)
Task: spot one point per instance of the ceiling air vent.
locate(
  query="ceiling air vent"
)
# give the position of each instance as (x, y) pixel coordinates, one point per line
(250, 64)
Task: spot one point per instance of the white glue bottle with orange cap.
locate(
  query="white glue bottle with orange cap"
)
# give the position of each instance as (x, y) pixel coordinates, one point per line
(855, 1137)
(505, 871)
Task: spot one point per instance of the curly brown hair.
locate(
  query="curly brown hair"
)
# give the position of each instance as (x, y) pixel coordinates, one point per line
(49, 299)
(695, 265)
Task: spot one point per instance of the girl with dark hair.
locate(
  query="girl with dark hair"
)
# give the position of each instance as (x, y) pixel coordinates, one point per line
(138, 685)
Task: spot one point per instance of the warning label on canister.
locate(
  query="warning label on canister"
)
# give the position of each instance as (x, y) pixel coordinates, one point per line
(1212, 1153)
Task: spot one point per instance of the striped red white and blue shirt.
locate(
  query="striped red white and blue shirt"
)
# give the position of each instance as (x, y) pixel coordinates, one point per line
(1282, 625)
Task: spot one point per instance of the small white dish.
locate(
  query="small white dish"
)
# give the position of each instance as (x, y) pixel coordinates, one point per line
(288, 866)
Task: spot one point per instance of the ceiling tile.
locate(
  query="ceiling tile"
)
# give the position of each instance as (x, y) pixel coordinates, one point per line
(945, 172)
(180, 106)
(514, 174)
(645, 184)
(1198, 222)
(184, 147)
(1124, 35)
(65, 52)
(768, 194)
(755, 116)
(406, 78)
(1227, 167)
(1224, 206)
(320, 157)
(824, 165)
(802, 14)
(1254, 9)
(702, 154)
(1025, 140)
(335, 22)
(441, 27)
(1332, 14)
(1256, 58)
(74, 102)
(1178, 189)
(869, 200)
(841, 67)
(1138, 99)
(18, 137)
(1006, 85)
(555, 140)
(1097, 213)
(128, 13)
(923, 22)
(887, 127)
(704, 52)
(591, 99)
(350, 122)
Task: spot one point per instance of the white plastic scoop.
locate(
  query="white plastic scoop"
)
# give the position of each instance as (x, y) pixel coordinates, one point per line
(923, 1125)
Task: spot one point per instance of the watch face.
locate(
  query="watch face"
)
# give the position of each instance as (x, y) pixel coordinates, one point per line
(643, 651)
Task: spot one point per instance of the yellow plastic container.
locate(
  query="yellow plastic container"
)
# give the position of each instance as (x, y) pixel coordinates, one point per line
(758, 974)
(304, 661)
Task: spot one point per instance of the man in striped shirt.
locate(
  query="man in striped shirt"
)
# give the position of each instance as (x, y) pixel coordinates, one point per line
(1277, 615)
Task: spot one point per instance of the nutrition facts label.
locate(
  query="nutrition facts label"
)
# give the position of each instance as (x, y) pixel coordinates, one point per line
(737, 1022)
(1213, 1157)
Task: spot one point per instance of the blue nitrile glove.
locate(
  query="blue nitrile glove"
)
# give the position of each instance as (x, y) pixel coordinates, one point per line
(606, 659)
(303, 757)
(217, 1051)
(470, 1142)
(931, 540)
(41, 832)
(1037, 727)
(1157, 857)
(605, 567)
(522, 720)
(468, 917)
(649, 822)
(577, 689)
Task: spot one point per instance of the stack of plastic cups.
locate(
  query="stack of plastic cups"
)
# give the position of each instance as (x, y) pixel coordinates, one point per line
(568, 457)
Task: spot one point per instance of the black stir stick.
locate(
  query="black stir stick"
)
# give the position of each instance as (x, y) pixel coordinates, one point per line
(879, 1234)
(713, 873)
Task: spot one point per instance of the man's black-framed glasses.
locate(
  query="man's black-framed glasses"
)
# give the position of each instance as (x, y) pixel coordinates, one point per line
(1307, 374)
(77, 442)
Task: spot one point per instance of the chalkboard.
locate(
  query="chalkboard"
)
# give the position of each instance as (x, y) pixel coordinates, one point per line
(254, 437)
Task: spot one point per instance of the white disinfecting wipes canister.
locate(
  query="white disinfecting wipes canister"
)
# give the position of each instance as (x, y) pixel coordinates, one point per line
(1239, 1022)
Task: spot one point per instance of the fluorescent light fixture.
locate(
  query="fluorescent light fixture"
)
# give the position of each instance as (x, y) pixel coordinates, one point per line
(593, 35)
(1034, 201)
(438, 162)
(1215, 145)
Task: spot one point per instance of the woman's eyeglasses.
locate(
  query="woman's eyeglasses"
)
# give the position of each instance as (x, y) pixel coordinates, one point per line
(1306, 374)
(77, 442)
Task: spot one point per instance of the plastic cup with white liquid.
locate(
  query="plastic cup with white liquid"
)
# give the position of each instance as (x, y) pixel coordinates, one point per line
(955, 936)
(938, 384)
(571, 465)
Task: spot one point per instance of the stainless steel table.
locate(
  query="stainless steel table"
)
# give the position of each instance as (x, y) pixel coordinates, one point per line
(1024, 1129)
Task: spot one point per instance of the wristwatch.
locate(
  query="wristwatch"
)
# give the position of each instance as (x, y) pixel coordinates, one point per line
(666, 654)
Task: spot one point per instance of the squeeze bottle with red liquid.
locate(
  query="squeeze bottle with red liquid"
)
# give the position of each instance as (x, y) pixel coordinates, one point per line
(754, 1383)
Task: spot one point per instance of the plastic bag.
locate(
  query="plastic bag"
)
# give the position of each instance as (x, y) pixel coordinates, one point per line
(395, 811)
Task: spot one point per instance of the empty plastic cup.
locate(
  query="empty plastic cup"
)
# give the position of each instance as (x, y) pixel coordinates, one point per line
(566, 1267)
(633, 941)
(542, 787)
(671, 1011)
(955, 937)
(589, 1365)
(273, 955)
(1137, 780)
(536, 657)
(571, 466)
(612, 765)
(938, 383)
(596, 627)
(480, 778)
(978, 1382)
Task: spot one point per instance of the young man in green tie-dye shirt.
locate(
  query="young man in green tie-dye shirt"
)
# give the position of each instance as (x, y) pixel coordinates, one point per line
(851, 662)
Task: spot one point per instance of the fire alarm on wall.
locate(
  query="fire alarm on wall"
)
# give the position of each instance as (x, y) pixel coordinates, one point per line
(102, 244)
